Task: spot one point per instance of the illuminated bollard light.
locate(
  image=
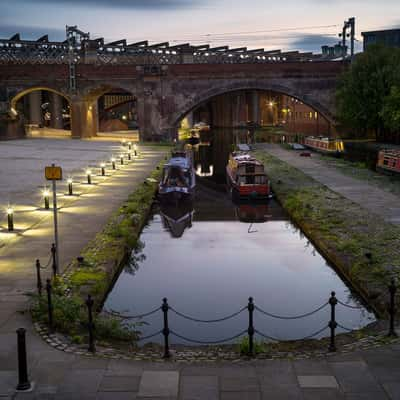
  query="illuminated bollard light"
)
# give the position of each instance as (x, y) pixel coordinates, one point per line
(46, 196)
(129, 145)
(135, 150)
(121, 158)
(89, 176)
(113, 163)
(129, 156)
(103, 169)
(70, 192)
(123, 142)
(10, 218)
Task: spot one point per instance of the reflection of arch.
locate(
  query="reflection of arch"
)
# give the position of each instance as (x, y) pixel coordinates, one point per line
(208, 94)
(18, 96)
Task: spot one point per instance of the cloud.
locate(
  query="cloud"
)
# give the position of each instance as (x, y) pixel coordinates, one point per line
(312, 42)
(31, 32)
(127, 4)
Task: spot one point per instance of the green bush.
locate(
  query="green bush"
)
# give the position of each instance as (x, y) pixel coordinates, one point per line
(244, 348)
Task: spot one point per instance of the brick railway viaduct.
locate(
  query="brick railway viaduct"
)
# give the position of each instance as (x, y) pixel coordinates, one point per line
(166, 92)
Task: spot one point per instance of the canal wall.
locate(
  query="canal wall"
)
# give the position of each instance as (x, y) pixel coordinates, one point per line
(363, 248)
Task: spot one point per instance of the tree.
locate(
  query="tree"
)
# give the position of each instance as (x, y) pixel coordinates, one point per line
(391, 110)
(365, 87)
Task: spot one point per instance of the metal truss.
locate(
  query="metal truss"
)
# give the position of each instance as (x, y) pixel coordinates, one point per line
(79, 48)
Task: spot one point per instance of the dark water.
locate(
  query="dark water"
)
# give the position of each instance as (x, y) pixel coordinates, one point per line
(209, 258)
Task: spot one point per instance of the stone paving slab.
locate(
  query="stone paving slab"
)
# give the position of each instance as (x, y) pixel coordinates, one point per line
(317, 381)
(159, 383)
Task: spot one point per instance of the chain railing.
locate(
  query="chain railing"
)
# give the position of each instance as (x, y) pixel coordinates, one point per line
(251, 329)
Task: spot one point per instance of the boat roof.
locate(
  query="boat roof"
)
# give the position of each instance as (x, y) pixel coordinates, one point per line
(244, 158)
(179, 162)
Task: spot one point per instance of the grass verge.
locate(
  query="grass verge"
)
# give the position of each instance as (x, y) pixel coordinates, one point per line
(364, 248)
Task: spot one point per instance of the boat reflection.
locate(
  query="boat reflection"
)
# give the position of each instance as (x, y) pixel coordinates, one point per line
(252, 212)
(177, 218)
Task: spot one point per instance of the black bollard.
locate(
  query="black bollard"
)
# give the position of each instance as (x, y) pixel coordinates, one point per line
(250, 329)
(70, 191)
(54, 256)
(49, 306)
(113, 163)
(332, 323)
(129, 156)
(121, 160)
(23, 381)
(392, 307)
(165, 331)
(103, 170)
(89, 304)
(39, 278)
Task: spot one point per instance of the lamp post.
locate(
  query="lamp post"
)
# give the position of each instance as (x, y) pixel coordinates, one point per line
(10, 218)
(46, 196)
(89, 176)
(113, 162)
(103, 169)
(69, 181)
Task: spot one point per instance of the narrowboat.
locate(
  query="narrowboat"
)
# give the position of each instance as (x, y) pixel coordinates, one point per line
(178, 180)
(324, 144)
(246, 177)
(389, 161)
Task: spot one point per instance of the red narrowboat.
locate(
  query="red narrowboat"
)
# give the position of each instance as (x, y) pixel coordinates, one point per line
(246, 176)
(389, 161)
(324, 144)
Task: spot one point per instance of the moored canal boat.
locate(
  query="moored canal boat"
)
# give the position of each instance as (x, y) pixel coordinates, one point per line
(178, 179)
(324, 144)
(389, 161)
(246, 177)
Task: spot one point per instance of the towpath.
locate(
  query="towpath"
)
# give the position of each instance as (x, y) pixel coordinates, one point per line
(374, 199)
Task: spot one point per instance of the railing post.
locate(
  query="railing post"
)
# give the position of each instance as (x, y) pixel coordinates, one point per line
(54, 256)
(332, 323)
(250, 329)
(39, 278)
(89, 304)
(165, 308)
(392, 307)
(23, 381)
(49, 305)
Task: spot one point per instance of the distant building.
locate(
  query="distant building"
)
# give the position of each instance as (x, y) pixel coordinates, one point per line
(333, 51)
(389, 37)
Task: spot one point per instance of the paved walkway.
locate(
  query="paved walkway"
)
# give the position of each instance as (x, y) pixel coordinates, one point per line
(368, 196)
(372, 374)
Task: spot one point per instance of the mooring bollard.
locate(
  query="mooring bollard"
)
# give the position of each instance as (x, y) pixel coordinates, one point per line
(70, 192)
(332, 323)
(250, 329)
(39, 278)
(54, 257)
(165, 331)
(23, 381)
(49, 305)
(89, 304)
(129, 156)
(113, 163)
(10, 219)
(392, 307)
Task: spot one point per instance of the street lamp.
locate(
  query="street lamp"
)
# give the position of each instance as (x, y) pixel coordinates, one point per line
(113, 162)
(46, 196)
(10, 218)
(89, 176)
(103, 170)
(69, 181)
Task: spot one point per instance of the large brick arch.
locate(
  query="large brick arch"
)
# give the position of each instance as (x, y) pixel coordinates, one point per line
(174, 119)
(21, 92)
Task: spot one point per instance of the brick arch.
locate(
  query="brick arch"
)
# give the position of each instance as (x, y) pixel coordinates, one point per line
(26, 91)
(191, 103)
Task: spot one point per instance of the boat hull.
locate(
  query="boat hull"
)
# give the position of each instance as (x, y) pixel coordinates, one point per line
(261, 191)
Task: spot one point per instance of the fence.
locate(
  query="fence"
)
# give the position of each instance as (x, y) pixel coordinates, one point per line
(250, 330)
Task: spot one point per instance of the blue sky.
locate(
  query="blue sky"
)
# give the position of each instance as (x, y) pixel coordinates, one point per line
(251, 23)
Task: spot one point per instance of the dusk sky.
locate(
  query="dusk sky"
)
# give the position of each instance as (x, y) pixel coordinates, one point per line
(289, 25)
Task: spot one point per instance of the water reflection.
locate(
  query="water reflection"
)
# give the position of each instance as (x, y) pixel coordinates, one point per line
(176, 218)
